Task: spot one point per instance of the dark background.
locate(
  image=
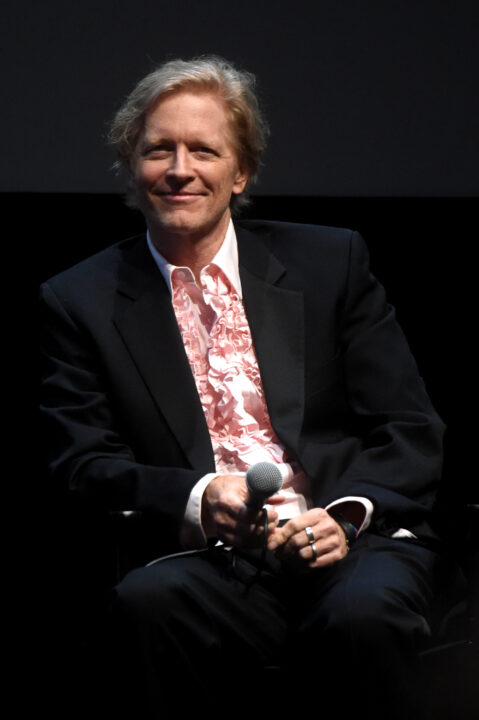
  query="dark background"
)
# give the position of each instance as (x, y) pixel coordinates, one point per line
(373, 107)
(365, 98)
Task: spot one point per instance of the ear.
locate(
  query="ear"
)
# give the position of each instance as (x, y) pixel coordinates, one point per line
(240, 182)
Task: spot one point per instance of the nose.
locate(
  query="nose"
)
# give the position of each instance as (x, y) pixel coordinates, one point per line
(180, 167)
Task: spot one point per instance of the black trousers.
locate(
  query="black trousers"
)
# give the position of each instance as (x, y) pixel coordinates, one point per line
(200, 631)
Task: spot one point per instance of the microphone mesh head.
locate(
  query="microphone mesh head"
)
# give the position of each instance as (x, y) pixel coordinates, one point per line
(264, 478)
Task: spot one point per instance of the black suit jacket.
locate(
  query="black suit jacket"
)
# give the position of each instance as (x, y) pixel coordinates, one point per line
(123, 421)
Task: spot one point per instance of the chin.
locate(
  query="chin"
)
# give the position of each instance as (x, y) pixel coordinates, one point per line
(183, 222)
(181, 226)
(170, 220)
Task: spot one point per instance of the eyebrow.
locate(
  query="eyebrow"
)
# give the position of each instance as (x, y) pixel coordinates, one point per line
(148, 141)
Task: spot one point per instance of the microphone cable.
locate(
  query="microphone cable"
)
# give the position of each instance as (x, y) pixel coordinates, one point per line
(262, 559)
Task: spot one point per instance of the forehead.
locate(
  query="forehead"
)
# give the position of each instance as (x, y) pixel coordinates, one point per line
(188, 113)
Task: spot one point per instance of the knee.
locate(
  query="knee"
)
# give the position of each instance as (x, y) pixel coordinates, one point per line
(149, 593)
(373, 616)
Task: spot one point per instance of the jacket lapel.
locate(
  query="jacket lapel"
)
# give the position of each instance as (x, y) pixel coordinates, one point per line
(276, 319)
(146, 321)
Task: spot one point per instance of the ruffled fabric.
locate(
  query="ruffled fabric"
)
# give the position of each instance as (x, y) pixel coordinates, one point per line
(220, 351)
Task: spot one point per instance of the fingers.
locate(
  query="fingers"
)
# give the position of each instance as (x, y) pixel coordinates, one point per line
(227, 515)
(275, 500)
(294, 530)
(318, 555)
(311, 540)
(244, 530)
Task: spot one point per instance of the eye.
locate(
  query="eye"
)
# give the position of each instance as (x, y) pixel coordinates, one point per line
(156, 151)
(159, 151)
(204, 153)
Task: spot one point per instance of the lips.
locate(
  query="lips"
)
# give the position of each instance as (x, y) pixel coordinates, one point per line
(179, 196)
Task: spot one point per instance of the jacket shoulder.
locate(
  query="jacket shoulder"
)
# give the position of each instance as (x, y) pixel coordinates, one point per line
(301, 238)
(303, 245)
(100, 268)
(297, 230)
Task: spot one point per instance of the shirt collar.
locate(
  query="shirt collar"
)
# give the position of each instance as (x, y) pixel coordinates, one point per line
(226, 259)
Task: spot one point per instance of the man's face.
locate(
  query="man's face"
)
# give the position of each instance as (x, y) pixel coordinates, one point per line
(185, 168)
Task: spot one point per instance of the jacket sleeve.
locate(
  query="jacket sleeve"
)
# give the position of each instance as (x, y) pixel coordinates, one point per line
(396, 454)
(82, 434)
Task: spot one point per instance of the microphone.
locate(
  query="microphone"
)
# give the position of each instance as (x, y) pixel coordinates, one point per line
(263, 479)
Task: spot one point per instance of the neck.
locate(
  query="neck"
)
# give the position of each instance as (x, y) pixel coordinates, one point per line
(193, 250)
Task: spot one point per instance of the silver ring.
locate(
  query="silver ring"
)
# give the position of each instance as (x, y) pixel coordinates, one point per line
(315, 552)
(309, 532)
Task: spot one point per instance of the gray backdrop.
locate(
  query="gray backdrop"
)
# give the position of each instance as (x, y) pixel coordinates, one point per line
(364, 97)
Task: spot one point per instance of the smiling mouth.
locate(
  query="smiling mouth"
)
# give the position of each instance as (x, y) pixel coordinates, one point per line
(179, 196)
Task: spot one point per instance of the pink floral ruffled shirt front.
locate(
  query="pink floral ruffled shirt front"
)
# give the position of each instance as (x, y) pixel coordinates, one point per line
(220, 351)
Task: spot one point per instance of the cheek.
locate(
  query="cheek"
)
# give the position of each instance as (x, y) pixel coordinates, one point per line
(225, 182)
(146, 175)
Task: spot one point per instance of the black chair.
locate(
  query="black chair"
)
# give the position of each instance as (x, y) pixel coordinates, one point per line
(450, 660)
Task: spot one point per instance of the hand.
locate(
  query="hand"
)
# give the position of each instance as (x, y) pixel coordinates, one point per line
(226, 514)
(291, 543)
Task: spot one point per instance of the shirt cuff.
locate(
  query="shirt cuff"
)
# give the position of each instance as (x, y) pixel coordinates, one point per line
(358, 510)
(192, 535)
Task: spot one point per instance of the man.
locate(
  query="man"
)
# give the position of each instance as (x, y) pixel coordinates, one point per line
(176, 361)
